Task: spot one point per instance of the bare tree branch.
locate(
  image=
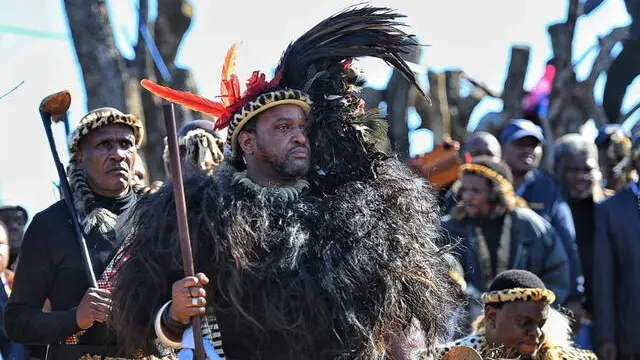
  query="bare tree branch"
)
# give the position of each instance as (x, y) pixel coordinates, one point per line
(481, 86)
(112, 81)
(513, 91)
(103, 68)
(12, 90)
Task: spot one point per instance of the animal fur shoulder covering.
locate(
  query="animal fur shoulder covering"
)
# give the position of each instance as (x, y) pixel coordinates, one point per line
(325, 277)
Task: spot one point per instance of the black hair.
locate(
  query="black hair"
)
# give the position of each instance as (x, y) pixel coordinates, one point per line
(516, 278)
(512, 279)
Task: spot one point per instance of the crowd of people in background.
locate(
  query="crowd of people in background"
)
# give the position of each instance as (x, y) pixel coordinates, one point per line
(575, 227)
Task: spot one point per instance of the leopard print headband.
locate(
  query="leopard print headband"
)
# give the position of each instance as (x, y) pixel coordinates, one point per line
(518, 294)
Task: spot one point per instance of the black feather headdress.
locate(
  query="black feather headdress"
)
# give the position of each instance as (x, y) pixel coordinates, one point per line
(316, 73)
(352, 33)
(346, 142)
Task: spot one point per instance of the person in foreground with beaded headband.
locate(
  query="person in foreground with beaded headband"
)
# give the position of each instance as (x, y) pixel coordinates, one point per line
(311, 242)
(518, 322)
(498, 232)
(103, 149)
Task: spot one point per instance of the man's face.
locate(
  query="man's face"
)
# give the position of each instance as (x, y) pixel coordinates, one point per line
(523, 155)
(139, 171)
(15, 220)
(108, 155)
(474, 194)
(281, 141)
(517, 326)
(578, 176)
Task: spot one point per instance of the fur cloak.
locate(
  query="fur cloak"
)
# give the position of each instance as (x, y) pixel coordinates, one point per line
(322, 277)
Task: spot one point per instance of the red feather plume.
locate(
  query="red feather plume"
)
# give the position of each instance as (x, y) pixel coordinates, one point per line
(256, 85)
(231, 98)
(187, 99)
(229, 85)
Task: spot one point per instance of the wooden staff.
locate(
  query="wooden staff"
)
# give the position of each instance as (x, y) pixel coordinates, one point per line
(181, 213)
(53, 108)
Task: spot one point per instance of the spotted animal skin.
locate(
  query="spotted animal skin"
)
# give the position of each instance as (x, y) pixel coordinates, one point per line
(519, 294)
(262, 103)
(474, 341)
(102, 117)
(547, 351)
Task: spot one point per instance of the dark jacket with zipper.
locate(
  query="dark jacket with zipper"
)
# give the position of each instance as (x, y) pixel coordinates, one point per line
(535, 246)
(52, 267)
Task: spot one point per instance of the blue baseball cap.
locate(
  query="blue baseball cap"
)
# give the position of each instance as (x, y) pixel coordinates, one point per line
(521, 128)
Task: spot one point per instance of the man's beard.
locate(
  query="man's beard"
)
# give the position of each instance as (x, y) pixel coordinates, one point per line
(580, 195)
(577, 192)
(285, 168)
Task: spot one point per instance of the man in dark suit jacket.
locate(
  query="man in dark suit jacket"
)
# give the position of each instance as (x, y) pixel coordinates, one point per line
(616, 279)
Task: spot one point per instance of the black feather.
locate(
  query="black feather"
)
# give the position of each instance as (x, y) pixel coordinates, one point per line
(352, 33)
(346, 144)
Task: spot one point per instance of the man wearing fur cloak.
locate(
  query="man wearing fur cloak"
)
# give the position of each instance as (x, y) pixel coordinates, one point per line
(311, 241)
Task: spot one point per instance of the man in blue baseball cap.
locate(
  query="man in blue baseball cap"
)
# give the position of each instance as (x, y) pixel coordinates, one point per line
(522, 142)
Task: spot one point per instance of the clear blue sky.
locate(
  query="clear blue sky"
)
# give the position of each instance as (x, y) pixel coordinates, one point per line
(35, 47)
